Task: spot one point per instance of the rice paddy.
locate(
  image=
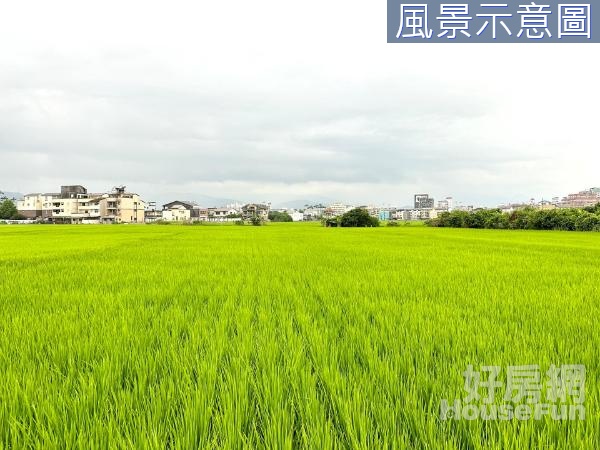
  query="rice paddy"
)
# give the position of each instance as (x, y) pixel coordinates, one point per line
(285, 336)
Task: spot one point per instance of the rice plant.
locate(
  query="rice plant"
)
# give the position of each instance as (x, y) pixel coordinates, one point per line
(285, 336)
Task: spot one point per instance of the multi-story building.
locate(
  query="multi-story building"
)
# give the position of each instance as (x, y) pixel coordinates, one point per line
(75, 205)
(37, 205)
(406, 214)
(313, 213)
(336, 209)
(414, 214)
(581, 199)
(119, 206)
(151, 214)
(260, 210)
(426, 214)
(447, 204)
(384, 214)
(423, 201)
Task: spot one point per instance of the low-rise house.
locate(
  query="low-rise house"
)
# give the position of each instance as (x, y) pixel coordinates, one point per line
(221, 214)
(183, 211)
(297, 216)
(176, 213)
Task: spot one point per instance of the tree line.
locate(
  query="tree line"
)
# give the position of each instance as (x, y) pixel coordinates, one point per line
(567, 219)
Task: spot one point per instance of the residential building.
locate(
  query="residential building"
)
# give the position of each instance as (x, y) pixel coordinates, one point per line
(152, 214)
(260, 210)
(447, 204)
(407, 214)
(314, 213)
(581, 199)
(423, 201)
(426, 214)
(546, 204)
(384, 214)
(511, 207)
(221, 214)
(37, 206)
(75, 205)
(178, 211)
(119, 206)
(336, 209)
(297, 216)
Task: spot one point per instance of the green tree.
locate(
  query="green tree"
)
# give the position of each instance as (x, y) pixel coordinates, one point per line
(276, 216)
(358, 217)
(8, 209)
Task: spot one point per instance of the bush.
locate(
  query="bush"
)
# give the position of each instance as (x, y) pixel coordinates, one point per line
(276, 216)
(588, 222)
(239, 222)
(256, 221)
(330, 222)
(593, 209)
(392, 223)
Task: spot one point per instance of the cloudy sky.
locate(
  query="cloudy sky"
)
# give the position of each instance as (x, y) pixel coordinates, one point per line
(277, 100)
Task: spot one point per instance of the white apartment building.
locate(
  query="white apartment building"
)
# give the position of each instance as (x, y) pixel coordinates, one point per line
(336, 209)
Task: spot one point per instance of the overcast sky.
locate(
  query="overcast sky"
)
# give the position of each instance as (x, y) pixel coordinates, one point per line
(276, 100)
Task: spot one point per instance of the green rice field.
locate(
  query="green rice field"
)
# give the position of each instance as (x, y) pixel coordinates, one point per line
(286, 335)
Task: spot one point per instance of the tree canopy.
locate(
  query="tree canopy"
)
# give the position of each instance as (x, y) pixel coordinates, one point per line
(358, 217)
(8, 210)
(277, 216)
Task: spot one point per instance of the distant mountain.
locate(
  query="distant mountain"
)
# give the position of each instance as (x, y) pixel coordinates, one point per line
(202, 200)
(208, 201)
(11, 195)
(301, 203)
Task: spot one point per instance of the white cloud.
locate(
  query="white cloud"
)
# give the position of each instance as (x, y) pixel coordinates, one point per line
(280, 100)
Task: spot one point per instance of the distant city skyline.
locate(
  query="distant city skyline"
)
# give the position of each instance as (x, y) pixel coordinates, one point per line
(209, 201)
